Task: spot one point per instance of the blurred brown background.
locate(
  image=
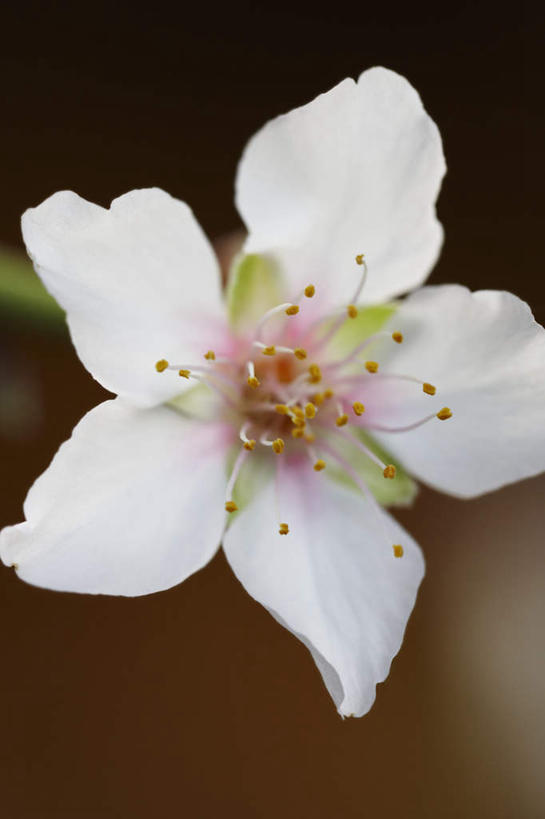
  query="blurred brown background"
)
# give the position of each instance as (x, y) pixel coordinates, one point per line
(195, 702)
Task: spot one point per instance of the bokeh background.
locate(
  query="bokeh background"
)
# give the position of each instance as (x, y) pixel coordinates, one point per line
(195, 702)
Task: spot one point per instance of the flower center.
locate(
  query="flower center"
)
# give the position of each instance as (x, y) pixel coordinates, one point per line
(284, 393)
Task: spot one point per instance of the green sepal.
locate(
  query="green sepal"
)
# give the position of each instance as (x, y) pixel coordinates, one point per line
(22, 294)
(353, 331)
(195, 402)
(253, 287)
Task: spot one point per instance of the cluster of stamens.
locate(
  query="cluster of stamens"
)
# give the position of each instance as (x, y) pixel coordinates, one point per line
(282, 395)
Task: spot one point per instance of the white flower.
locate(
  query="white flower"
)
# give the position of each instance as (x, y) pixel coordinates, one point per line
(136, 500)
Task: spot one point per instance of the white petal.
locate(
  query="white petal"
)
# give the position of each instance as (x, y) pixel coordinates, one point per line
(486, 355)
(357, 170)
(131, 504)
(139, 282)
(333, 580)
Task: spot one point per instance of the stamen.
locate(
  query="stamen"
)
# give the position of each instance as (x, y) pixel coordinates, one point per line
(252, 381)
(310, 410)
(342, 420)
(358, 408)
(315, 374)
(360, 259)
(352, 311)
(249, 443)
(273, 349)
(282, 409)
(397, 337)
(444, 414)
(371, 366)
(230, 505)
(355, 442)
(328, 393)
(319, 465)
(429, 389)
(318, 398)
(278, 445)
(398, 550)
(283, 529)
(205, 374)
(298, 432)
(161, 365)
(274, 311)
(210, 355)
(310, 291)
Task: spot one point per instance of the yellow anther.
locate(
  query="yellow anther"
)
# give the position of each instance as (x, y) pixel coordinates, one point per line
(298, 432)
(429, 389)
(341, 420)
(397, 337)
(309, 437)
(292, 310)
(184, 373)
(300, 353)
(249, 445)
(298, 422)
(271, 350)
(318, 398)
(278, 445)
(282, 409)
(315, 374)
(358, 407)
(161, 365)
(310, 291)
(319, 465)
(252, 381)
(371, 366)
(398, 550)
(328, 393)
(283, 529)
(310, 410)
(231, 506)
(352, 311)
(389, 471)
(298, 412)
(210, 355)
(444, 414)
(359, 258)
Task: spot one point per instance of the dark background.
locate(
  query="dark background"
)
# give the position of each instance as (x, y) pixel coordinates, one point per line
(195, 702)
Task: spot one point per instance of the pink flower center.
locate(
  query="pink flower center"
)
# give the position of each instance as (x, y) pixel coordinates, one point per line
(283, 391)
